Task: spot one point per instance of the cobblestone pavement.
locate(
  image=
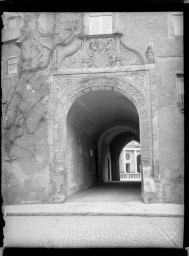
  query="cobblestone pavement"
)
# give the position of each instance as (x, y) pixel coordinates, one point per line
(93, 231)
(96, 208)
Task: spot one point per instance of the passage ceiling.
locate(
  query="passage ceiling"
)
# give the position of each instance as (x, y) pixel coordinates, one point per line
(101, 110)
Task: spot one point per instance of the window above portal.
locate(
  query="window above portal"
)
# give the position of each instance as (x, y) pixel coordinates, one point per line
(100, 23)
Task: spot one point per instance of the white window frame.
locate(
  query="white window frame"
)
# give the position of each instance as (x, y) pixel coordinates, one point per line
(170, 23)
(180, 92)
(14, 72)
(100, 15)
(174, 14)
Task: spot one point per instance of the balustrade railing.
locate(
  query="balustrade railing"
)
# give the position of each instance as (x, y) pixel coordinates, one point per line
(130, 176)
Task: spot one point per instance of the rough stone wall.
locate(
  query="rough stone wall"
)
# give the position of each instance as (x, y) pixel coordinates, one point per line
(25, 145)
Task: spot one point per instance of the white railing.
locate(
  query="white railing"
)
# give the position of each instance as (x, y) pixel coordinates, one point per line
(128, 176)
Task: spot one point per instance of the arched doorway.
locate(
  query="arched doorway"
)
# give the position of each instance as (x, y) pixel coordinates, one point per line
(90, 116)
(86, 109)
(129, 162)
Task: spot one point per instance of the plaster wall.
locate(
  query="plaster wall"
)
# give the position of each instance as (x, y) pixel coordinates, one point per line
(80, 163)
(171, 131)
(139, 29)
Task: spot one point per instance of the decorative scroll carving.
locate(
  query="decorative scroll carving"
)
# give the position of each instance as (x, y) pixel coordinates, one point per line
(132, 91)
(144, 113)
(73, 61)
(72, 24)
(145, 131)
(130, 57)
(68, 89)
(102, 82)
(101, 52)
(139, 80)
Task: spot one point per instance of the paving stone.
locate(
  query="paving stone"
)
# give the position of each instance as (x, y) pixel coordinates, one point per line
(99, 208)
(93, 231)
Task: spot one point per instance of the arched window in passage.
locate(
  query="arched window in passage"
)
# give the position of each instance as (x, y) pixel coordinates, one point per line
(130, 162)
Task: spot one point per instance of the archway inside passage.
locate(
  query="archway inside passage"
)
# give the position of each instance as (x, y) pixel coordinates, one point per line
(97, 118)
(130, 162)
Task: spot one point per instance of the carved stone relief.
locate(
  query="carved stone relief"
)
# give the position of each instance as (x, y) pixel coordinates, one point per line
(73, 61)
(139, 80)
(67, 90)
(145, 129)
(130, 57)
(101, 52)
(150, 54)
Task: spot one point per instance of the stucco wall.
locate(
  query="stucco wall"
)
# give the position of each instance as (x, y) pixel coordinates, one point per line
(138, 30)
(80, 166)
(171, 131)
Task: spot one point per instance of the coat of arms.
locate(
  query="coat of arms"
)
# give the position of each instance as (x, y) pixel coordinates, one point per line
(101, 53)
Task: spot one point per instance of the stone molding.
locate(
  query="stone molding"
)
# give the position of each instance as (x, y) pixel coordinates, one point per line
(130, 57)
(119, 128)
(101, 51)
(68, 89)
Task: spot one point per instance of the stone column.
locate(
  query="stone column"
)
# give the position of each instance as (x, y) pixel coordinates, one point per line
(135, 161)
(118, 49)
(84, 53)
(58, 168)
(148, 185)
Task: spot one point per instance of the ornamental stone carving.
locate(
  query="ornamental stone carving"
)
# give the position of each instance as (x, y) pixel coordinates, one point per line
(130, 57)
(73, 61)
(98, 51)
(101, 52)
(150, 54)
(54, 59)
(66, 88)
(139, 80)
(145, 129)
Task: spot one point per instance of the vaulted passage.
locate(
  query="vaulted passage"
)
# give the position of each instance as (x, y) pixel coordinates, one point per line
(99, 125)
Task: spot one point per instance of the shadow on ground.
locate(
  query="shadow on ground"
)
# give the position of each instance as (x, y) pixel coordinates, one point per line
(110, 192)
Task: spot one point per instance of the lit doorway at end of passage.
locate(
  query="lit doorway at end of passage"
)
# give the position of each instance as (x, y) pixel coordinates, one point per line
(130, 162)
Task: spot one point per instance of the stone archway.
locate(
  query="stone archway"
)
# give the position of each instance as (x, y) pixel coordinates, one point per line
(116, 147)
(66, 90)
(108, 135)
